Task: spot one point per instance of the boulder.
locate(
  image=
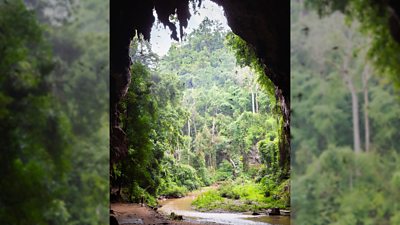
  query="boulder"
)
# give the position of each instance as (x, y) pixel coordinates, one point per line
(273, 212)
(113, 220)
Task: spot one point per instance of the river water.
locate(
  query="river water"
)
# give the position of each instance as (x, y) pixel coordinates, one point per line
(182, 206)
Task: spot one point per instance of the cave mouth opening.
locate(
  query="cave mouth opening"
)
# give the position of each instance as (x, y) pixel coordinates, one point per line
(203, 104)
(262, 24)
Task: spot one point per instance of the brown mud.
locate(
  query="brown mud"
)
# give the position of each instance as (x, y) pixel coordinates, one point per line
(136, 214)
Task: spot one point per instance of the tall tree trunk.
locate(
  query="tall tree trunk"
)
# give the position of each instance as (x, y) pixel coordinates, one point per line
(255, 98)
(213, 131)
(234, 167)
(356, 125)
(365, 78)
(252, 101)
(354, 103)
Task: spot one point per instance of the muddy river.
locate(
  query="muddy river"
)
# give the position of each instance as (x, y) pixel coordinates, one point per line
(182, 206)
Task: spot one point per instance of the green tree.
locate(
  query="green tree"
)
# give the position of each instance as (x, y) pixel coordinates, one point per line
(379, 20)
(35, 132)
(330, 179)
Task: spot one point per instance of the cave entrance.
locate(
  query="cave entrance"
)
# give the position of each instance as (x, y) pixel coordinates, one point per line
(193, 117)
(264, 25)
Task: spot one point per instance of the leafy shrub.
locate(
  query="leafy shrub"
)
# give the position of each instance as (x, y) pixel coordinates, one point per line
(224, 172)
(204, 177)
(208, 200)
(178, 178)
(187, 176)
(136, 194)
(269, 152)
(249, 191)
(253, 170)
(242, 195)
(227, 191)
(174, 191)
(363, 187)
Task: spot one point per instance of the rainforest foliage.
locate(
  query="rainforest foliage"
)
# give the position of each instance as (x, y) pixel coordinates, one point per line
(54, 112)
(194, 117)
(378, 21)
(345, 121)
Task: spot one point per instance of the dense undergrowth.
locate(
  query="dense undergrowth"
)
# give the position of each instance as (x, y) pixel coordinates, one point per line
(243, 195)
(54, 104)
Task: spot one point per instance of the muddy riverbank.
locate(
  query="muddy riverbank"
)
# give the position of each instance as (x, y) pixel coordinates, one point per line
(130, 214)
(182, 206)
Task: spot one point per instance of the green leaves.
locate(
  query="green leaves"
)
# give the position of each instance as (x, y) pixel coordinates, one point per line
(54, 116)
(34, 130)
(331, 183)
(337, 183)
